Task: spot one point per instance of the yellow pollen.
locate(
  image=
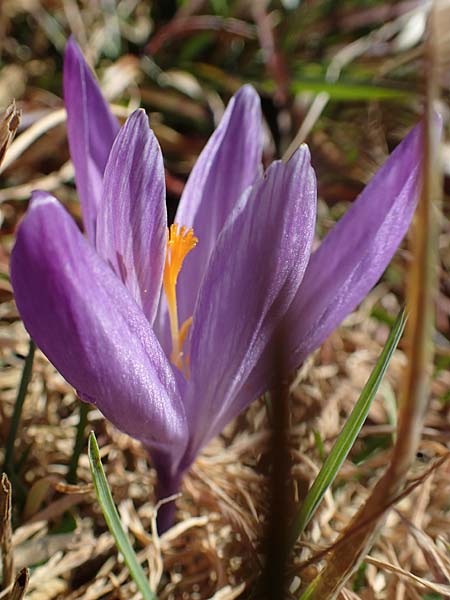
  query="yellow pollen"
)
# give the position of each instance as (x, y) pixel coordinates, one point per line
(179, 244)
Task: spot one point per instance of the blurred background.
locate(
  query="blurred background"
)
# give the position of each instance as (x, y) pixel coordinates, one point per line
(354, 68)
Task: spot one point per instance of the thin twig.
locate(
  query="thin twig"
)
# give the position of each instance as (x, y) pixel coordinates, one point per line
(6, 532)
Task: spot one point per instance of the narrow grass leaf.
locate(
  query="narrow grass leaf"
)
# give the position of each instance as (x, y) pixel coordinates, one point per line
(113, 520)
(18, 406)
(79, 443)
(349, 433)
(350, 91)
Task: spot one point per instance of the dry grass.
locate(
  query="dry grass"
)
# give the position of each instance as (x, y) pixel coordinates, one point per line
(215, 548)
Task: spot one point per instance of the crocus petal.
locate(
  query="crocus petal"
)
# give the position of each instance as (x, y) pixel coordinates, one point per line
(355, 253)
(252, 276)
(85, 321)
(91, 129)
(132, 219)
(348, 263)
(229, 163)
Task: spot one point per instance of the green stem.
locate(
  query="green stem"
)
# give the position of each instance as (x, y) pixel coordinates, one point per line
(79, 444)
(18, 406)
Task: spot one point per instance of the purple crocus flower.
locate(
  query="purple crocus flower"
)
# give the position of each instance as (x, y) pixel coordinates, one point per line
(170, 334)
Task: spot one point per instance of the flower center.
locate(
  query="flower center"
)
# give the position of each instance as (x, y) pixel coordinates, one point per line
(179, 244)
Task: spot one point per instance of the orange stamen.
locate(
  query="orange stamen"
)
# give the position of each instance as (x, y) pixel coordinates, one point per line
(179, 244)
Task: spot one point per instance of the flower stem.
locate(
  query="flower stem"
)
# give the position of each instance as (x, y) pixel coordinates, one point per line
(167, 487)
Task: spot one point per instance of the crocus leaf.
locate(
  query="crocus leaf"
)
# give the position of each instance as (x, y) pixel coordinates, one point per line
(112, 519)
(86, 322)
(349, 433)
(91, 129)
(132, 220)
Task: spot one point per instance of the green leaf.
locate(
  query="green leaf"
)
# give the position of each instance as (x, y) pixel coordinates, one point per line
(345, 90)
(113, 520)
(348, 434)
(18, 406)
(79, 443)
(319, 444)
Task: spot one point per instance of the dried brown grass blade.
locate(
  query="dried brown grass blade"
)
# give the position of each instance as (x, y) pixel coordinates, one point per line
(6, 531)
(20, 585)
(8, 127)
(354, 529)
(438, 588)
(430, 552)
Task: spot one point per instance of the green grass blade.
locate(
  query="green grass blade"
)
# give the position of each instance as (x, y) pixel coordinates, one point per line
(18, 406)
(348, 434)
(113, 520)
(350, 91)
(79, 443)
